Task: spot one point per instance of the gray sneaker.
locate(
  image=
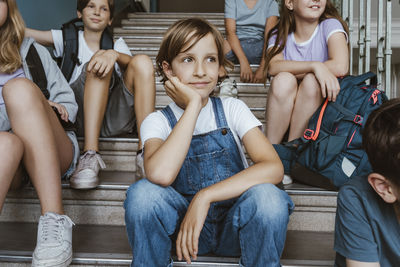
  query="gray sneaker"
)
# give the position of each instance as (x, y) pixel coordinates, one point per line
(139, 165)
(228, 88)
(86, 174)
(54, 241)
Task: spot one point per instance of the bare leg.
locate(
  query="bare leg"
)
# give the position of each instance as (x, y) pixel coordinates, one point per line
(11, 154)
(280, 103)
(47, 149)
(94, 106)
(139, 79)
(308, 99)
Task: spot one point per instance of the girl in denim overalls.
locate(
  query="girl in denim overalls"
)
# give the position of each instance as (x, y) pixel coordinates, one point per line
(198, 189)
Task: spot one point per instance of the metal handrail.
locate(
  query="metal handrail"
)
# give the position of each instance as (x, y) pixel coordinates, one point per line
(384, 32)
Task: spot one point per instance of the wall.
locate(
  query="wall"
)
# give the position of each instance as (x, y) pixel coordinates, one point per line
(40, 14)
(51, 14)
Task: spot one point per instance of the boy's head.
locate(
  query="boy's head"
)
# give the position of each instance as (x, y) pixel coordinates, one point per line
(381, 140)
(109, 4)
(182, 36)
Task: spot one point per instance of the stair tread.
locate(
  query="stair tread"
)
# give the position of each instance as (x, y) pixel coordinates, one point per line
(109, 245)
(123, 179)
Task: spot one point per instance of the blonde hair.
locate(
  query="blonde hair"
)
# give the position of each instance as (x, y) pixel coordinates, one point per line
(287, 25)
(184, 32)
(11, 36)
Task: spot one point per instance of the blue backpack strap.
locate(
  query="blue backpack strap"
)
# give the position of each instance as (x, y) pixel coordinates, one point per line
(169, 114)
(70, 55)
(219, 112)
(350, 81)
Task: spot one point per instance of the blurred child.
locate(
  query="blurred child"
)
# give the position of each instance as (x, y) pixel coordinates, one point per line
(109, 101)
(307, 51)
(367, 231)
(32, 137)
(199, 189)
(247, 23)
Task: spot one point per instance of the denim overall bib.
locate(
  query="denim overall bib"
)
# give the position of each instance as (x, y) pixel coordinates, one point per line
(212, 157)
(252, 226)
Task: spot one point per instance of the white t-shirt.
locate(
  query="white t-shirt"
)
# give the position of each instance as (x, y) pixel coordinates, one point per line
(238, 116)
(84, 52)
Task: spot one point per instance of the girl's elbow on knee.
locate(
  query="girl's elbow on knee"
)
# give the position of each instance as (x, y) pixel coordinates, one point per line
(342, 70)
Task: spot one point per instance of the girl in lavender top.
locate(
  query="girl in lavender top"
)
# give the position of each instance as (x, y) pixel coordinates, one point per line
(307, 50)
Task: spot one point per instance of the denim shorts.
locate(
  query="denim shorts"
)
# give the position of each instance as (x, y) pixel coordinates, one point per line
(119, 117)
(75, 146)
(252, 48)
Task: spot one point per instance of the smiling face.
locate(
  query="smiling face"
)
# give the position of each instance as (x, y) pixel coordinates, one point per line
(96, 16)
(197, 67)
(306, 9)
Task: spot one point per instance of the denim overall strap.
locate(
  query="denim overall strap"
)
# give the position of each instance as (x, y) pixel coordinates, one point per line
(169, 114)
(219, 112)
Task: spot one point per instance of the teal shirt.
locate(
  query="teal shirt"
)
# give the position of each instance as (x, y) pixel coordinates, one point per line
(367, 228)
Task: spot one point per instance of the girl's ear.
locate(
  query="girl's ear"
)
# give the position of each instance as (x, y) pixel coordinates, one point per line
(79, 14)
(289, 4)
(110, 22)
(382, 187)
(167, 69)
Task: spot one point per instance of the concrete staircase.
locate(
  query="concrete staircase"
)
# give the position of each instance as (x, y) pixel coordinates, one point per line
(99, 235)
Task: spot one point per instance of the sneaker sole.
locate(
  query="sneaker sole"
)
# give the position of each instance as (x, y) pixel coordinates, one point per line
(66, 263)
(84, 185)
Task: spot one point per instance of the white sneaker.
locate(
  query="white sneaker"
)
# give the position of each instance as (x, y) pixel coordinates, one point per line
(287, 179)
(54, 241)
(139, 165)
(86, 174)
(228, 88)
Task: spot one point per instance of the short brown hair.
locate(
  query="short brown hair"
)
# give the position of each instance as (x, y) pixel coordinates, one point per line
(184, 32)
(381, 140)
(81, 4)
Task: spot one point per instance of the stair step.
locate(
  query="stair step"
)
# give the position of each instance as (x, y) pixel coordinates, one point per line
(138, 21)
(315, 208)
(174, 15)
(108, 246)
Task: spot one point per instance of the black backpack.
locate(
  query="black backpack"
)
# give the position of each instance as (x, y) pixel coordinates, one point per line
(39, 78)
(69, 59)
(330, 151)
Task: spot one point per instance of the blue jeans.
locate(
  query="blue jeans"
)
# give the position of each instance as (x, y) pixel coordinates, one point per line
(254, 227)
(252, 48)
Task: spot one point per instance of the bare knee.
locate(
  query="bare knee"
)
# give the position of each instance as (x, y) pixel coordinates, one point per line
(21, 93)
(141, 65)
(283, 86)
(11, 144)
(309, 87)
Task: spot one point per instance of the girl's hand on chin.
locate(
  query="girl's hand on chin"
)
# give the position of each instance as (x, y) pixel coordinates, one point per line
(181, 93)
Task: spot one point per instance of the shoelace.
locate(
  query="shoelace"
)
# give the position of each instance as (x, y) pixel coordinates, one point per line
(87, 162)
(52, 227)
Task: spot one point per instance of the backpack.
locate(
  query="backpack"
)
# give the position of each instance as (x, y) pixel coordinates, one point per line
(330, 152)
(69, 59)
(39, 78)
